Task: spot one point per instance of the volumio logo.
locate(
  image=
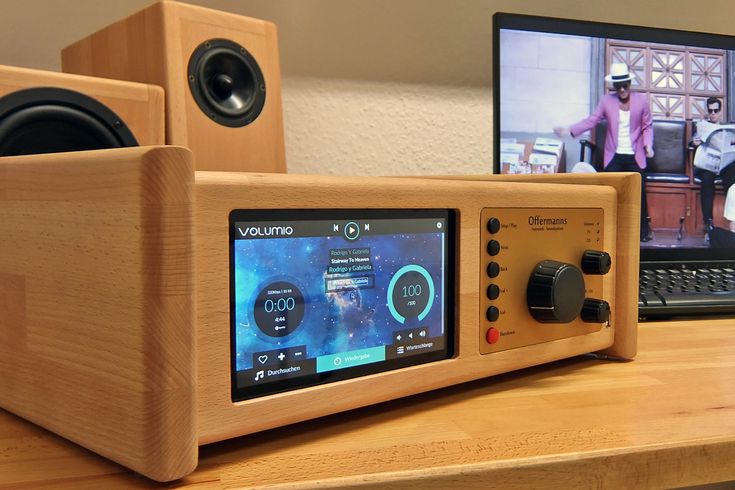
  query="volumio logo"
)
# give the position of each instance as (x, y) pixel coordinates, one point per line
(261, 231)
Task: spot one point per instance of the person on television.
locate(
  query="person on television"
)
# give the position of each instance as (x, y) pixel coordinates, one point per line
(725, 237)
(629, 138)
(707, 194)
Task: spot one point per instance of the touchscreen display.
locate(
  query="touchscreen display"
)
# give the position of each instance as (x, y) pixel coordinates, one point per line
(324, 295)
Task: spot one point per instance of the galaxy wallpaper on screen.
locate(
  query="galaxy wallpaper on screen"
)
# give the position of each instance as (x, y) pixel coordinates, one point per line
(354, 314)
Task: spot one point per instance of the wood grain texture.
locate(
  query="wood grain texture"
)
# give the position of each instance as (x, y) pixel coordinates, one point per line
(154, 46)
(140, 106)
(663, 421)
(128, 215)
(98, 334)
(627, 250)
(217, 193)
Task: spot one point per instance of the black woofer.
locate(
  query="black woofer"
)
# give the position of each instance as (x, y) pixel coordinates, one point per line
(50, 120)
(226, 83)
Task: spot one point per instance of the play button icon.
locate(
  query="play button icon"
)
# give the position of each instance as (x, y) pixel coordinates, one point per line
(352, 231)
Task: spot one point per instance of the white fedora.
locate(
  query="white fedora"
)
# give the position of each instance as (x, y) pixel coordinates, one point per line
(618, 73)
(583, 168)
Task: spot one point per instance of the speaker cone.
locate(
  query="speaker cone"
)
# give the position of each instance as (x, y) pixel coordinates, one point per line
(50, 120)
(226, 83)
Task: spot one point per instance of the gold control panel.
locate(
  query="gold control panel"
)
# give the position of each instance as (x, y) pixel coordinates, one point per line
(515, 242)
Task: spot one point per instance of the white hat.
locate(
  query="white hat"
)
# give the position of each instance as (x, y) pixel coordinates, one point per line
(618, 73)
(583, 168)
(730, 204)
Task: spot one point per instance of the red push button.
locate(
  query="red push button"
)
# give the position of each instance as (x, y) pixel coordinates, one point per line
(492, 335)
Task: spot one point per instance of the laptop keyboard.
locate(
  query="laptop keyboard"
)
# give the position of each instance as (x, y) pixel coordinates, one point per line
(686, 291)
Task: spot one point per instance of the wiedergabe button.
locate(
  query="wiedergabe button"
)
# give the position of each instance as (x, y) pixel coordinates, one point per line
(352, 231)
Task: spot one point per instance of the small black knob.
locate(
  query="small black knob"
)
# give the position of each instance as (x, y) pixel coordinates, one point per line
(596, 262)
(595, 311)
(493, 247)
(555, 292)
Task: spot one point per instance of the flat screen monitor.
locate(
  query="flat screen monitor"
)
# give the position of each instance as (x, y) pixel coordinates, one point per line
(319, 296)
(550, 79)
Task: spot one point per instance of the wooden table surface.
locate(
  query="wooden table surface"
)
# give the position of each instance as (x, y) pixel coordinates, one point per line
(666, 419)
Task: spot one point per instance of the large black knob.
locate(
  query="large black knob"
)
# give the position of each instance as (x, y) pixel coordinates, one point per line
(596, 262)
(555, 292)
(595, 311)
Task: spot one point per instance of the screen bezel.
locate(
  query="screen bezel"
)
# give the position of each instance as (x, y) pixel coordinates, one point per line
(502, 20)
(241, 393)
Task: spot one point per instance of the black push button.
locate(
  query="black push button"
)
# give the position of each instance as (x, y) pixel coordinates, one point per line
(493, 247)
(492, 314)
(493, 269)
(493, 291)
(493, 225)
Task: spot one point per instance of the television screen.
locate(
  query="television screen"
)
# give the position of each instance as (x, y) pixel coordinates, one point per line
(577, 96)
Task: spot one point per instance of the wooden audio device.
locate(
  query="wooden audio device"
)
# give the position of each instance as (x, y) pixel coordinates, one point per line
(46, 112)
(220, 71)
(146, 309)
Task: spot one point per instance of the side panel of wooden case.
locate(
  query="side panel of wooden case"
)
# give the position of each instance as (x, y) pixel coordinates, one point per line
(97, 338)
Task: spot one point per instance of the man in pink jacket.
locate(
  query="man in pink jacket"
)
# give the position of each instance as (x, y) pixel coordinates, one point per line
(629, 138)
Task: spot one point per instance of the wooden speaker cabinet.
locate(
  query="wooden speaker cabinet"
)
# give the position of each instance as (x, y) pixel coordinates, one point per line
(45, 112)
(156, 309)
(221, 75)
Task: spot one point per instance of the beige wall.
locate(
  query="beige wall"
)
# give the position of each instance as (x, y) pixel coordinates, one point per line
(369, 86)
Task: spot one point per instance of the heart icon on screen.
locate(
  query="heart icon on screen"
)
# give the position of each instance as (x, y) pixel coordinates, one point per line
(262, 359)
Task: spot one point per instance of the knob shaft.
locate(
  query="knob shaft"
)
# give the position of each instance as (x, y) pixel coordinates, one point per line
(555, 292)
(595, 311)
(596, 262)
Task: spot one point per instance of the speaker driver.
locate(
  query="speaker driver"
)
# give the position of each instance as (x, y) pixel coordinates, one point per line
(226, 82)
(50, 120)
